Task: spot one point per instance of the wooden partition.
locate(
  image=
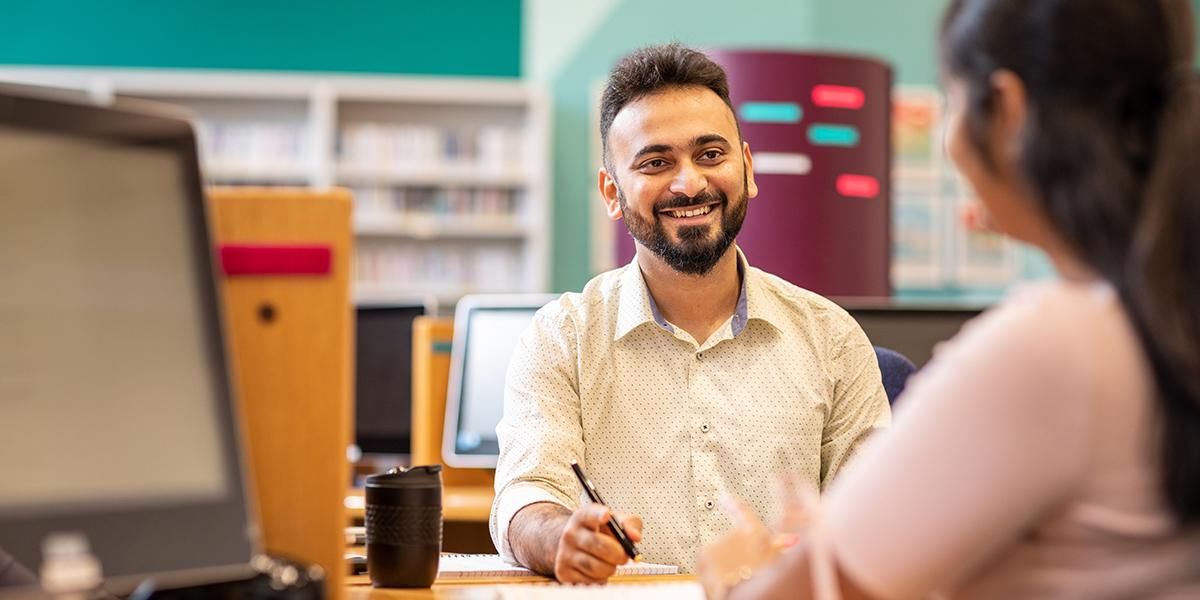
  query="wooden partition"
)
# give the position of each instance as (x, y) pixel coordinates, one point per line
(467, 494)
(431, 376)
(286, 256)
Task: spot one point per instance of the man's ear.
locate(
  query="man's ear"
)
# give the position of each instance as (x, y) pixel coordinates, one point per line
(1009, 113)
(748, 161)
(609, 194)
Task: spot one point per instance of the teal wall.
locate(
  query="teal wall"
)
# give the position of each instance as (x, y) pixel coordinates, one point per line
(465, 37)
(903, 33)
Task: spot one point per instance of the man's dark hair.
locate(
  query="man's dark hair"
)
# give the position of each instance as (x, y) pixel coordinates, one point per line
(654, 69)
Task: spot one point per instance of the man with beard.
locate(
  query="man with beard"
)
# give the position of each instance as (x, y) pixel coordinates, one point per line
(684, 376)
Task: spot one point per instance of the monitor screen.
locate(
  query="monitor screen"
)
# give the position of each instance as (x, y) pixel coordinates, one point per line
(383, 378)
(115, 416)
(486, 331)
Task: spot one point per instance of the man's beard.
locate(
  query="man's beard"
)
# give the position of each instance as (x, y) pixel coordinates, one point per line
(695, 253)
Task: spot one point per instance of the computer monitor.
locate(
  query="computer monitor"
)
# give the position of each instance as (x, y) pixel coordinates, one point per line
(486, 331)
(116, 416)
(383, 377)
(912, 329)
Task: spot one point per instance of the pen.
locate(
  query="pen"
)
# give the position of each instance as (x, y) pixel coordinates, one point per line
(613, 526)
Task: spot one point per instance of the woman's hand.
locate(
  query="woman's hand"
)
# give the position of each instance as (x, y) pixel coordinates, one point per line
(735, 556)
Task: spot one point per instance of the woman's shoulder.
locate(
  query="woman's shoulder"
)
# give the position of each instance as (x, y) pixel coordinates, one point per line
(1057, 335)
(1053, 315)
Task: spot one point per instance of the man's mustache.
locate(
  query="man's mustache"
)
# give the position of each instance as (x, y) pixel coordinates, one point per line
(681, 200)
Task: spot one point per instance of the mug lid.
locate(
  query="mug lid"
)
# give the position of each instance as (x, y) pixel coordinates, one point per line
(419, 475)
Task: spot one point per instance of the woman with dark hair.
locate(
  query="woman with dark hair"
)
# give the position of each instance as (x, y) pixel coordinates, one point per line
(1053, 448)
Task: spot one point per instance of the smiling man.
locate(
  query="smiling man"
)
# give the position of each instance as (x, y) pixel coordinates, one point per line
(685, 375)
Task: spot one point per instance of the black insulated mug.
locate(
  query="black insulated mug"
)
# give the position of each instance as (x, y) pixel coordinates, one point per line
(404, 526)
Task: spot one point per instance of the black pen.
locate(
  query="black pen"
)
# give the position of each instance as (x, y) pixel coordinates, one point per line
(613, 525)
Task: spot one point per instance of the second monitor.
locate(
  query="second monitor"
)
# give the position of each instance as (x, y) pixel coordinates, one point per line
(486, 331)
(383, 377)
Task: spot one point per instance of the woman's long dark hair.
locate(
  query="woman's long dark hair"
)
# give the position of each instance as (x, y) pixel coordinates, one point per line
(1111, 149)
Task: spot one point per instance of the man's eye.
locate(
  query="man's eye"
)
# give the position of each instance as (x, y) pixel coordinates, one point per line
(656, 163)
(711, 155)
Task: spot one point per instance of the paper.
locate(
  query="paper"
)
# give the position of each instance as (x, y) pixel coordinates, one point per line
(459, 566)
(613, 591)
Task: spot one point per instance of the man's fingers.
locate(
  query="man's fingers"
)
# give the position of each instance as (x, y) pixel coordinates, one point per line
(598, 544)
(572, 575)
(632, 524)
(588, 552)
(573, 565)
(592, 516)
(592, 567)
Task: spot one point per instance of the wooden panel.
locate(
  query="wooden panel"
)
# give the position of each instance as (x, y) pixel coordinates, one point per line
(290, 339)
(431, 375)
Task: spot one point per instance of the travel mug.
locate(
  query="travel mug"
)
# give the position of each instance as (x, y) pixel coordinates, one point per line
(404, 526)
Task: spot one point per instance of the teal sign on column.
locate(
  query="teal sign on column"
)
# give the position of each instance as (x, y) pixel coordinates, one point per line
(771, 112)
(825, 134)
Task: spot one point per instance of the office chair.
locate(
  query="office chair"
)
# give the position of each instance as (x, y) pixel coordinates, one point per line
(896, 369)
(13, 573)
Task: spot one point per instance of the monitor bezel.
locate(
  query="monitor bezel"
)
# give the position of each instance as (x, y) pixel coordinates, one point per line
(179, 525)
(429, 307)
(463, 312)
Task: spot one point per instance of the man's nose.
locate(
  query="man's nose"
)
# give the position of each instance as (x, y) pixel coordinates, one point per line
(689, 181)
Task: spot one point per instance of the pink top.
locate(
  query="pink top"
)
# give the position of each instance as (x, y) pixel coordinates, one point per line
(1023, 464)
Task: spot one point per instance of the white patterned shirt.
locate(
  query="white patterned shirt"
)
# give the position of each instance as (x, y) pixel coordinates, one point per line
(664, 425)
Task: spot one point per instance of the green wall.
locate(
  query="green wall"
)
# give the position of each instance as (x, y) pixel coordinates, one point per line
(466, 37)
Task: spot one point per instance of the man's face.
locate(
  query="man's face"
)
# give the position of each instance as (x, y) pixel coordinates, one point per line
(679, 176)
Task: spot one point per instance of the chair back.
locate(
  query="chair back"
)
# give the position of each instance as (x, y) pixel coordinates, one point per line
(896, 369)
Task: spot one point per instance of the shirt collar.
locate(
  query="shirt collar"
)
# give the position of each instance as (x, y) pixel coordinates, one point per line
(636, 306)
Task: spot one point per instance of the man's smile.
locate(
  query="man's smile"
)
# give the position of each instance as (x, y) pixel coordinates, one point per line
(688, 215)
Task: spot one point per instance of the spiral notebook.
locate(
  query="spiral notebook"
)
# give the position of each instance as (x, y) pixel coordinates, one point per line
(614, 591)
(461, 566)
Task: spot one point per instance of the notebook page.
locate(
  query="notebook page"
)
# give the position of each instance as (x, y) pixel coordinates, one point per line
(457, 566)
(614, 591)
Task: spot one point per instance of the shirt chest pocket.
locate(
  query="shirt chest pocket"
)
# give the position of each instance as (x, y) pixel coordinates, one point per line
(783, 434)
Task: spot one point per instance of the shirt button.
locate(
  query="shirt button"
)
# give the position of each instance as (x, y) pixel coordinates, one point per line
(709, 505)
(699, 356)
(704, 428)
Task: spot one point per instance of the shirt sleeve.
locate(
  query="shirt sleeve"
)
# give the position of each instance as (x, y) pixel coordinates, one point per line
(859, 405)
(540, 432)
(988, 439)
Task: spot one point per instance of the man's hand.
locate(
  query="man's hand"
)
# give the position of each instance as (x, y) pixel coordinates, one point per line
(571, 547)
(587, 550)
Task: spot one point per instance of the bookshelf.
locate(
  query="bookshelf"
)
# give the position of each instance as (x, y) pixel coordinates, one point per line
(450, 175)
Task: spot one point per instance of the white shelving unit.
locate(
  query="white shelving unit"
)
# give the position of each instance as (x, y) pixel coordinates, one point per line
(450, 175)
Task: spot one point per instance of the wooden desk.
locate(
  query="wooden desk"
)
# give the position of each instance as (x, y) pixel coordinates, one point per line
(359, 587)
